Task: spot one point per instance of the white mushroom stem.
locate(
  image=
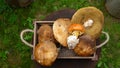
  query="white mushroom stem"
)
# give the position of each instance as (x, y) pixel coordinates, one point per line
(72, 41)
(88, 23)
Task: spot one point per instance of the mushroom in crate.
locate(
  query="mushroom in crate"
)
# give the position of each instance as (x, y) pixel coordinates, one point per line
(60, 30)
(45, 32)
(92, 20)
(45, 51)
(86, 46)
(82, 44)
(74, 31)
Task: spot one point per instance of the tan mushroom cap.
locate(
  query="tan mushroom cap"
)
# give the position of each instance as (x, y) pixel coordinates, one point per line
(60, 30)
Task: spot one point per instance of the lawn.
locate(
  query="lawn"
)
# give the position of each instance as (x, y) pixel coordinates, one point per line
(15, 54)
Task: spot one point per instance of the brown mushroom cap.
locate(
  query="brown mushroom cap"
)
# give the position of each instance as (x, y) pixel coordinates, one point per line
(45, 53)
(86, 46)
(45, 33)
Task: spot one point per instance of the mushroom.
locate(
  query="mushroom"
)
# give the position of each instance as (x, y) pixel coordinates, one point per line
(74, 31)
(45, 33)
(91, 18)
(86, 46)
(60, 30)
(45, 53)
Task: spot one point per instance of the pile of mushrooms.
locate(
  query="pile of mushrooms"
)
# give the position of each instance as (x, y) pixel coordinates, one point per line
(79, 34)
(45, 51)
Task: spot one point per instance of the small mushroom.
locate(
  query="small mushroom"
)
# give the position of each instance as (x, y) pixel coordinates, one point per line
(74, 30)
(86, 46)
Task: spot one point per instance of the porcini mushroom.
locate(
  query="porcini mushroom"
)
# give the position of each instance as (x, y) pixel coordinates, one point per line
(45, 53)
(74, 31)
(45, 33)
(86, 46)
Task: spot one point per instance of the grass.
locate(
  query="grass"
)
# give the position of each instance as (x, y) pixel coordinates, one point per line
(110, 57)
(15, 54)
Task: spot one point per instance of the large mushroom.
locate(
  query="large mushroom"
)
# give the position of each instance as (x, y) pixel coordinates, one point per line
(46, 53)
(91, 18)
(60, 30)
